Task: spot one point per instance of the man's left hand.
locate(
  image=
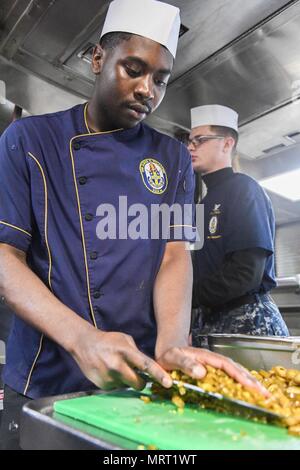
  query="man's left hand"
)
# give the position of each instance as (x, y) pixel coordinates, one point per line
(192, 361)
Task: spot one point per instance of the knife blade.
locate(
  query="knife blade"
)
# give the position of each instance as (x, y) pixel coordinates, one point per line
(219, 402)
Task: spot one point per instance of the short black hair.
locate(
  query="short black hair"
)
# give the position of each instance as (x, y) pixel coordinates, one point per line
(226, 132)
(112, 40)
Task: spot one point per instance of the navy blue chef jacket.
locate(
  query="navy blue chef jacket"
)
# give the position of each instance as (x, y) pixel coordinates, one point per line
(238, 215)
(54, 173)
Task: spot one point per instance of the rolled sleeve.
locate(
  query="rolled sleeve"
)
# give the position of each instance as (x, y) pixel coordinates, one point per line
(15, 200)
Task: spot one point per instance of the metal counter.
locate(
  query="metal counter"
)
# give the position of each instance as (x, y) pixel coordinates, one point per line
(255, 352)
(43, 429)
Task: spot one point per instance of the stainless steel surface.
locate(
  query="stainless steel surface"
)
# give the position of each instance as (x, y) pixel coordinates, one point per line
(6, 112)
(34, 94)
(286, 212)
(291, 316)
(255, 352)
(287, 294)
(214, 24)
(66, 25)
(43, 429)
(288, 250)
(272, 129)
(292, 281)
(254, 74)
(17, 20)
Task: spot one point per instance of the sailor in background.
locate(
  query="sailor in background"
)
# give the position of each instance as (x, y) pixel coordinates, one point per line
(234, 271)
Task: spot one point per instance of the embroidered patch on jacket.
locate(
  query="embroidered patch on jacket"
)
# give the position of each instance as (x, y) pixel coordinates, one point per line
(213, 225)
(216, 210)
(154, 176)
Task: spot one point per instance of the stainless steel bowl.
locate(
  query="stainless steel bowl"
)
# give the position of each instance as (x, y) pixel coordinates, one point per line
(257, 352)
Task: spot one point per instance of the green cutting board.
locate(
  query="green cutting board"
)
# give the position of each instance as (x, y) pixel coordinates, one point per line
(159, 424)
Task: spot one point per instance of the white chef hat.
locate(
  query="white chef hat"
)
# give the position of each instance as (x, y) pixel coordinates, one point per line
(149, 18)
(214, 115)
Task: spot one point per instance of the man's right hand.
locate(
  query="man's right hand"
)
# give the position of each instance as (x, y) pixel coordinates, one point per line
(109, 360)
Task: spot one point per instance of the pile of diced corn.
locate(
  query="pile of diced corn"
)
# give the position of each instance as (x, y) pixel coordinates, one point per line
(283, 384)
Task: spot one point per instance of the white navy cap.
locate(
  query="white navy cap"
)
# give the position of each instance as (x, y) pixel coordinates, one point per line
(151, 19)
(214, 115)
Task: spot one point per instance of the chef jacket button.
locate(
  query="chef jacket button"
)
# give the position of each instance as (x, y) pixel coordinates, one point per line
(82, 179)
(77, 146)
(97, 294)
(94, 255)
(88, 217)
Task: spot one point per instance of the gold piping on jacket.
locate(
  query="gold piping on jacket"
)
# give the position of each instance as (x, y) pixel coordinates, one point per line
(46, 216)
(82, 234)
(50, 264)
(15, 227)
(33, 365)
(87, 126)
(79, 206)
